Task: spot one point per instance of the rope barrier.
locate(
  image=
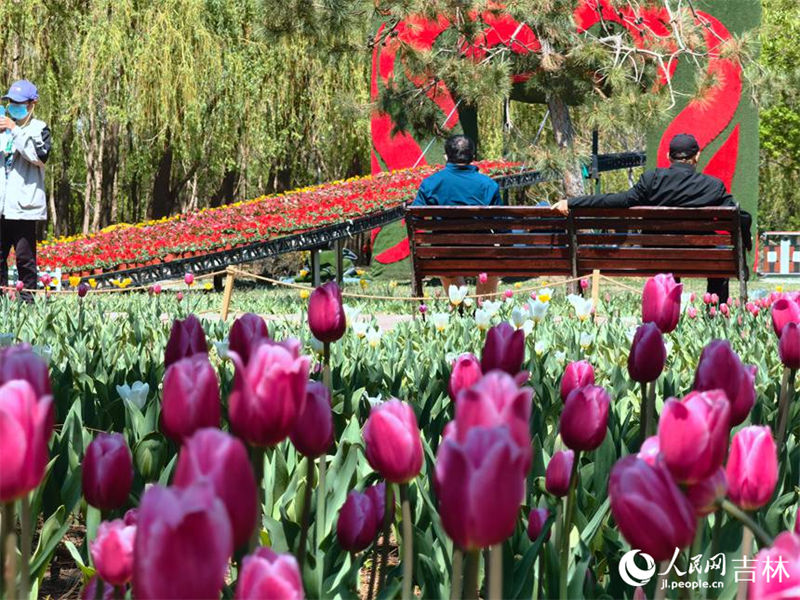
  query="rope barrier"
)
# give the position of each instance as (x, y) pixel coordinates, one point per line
(622, 285)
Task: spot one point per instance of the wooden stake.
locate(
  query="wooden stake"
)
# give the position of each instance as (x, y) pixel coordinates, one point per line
(595, 290)
(226, 296)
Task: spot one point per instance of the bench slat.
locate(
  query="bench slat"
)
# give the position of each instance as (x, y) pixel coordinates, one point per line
(663, 240)
(675, 254)
(659, 212)
(436, 265)
(482, 239)
(487, 225)
(445, 252)
(669, 225)
(658, 266)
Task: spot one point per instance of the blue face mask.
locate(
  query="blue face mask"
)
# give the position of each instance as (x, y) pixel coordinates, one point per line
(17, 111)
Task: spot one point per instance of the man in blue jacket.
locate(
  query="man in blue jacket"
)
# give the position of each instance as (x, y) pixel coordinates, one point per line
(460, 184)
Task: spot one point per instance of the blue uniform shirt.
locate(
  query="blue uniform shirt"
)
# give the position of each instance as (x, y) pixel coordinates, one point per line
(458, 185)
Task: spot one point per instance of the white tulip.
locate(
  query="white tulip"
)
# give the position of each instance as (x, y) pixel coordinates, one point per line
(540, 347)
(518, 316)
(360, 328)
(483, 319)
(440, 321)
(538, 309)
(457, 294)
(492, 307)
(374, 337)
(134, 395)
(586, 340)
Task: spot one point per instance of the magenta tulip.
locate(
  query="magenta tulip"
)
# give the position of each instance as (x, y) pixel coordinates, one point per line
(112, 551)
(777, 569)
(25, 426)
(797, 523)
(183, 543)
(222, 459)
(21, 362)
(504, 349)
(536, 520)
(246, 332)
(649, 508)
(661, 302)
(721, 368)
(313, 431)
(576, 375)
(647, 354)
(358, 522)
(466, 372)
(89, 591)
(131, 516)
(268, 393)
(559, 471)
(393, 443)
(789, 346)
(693, 435)
(191, 398)
(706, 495)
(326, 317)
(584, 418)
(784, 310)
(266, 574)
(107, 471)
(377, 493)
(480, 484)
(185, 339)
(650, 451)
(752, 468)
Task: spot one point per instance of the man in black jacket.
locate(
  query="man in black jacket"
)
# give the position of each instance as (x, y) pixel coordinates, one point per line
(680, 185)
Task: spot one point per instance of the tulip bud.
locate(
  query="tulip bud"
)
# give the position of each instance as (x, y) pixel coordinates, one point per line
(789, 346)
(423, 308)
(508, 294)
(649, 508)
(466, 372)
(480, 484)
(90, 591)
(661, 302)
(157, 289)
(246, 332)
(326, 317)
(312, 434)
(536, 520)
(693, 435)
(358, 523)
(647, 354)
(393, 443)
(576, 375)
(107, 471)
(179, 296)
(483, 277)
(778, 576)
(707, 298)
(721, 368)
(723, 308)
(25, 427)
(21, 362)
(650, 451)
(504, 349)
(706, 495)
(188, 278)
(692, 297)
(714, 299)
(112, 551)
(559, 471)
(19, 286)
(221, 459)
(752, 468)
(266, 574)
(131, 516)
(83, 289)
(167, 562)
(584, 418)
(377, 493)
(784, 311)
(186, 338)
(191, 397)
(712, 312)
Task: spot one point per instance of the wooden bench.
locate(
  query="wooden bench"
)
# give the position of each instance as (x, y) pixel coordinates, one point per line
(538, 241)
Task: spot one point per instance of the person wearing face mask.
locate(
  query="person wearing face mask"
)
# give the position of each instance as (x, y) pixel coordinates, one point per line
(25, 145)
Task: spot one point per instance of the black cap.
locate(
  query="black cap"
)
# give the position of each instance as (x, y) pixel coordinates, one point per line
(683, 145)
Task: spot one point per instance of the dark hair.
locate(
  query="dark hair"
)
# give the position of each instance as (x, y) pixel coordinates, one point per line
(459, 149)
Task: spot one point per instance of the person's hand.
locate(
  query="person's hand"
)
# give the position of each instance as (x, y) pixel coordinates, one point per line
(6, 123)
(562, 206)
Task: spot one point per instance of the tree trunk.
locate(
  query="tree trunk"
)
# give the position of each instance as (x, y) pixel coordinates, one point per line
(98, 180)
(565, 137)
(162, 202)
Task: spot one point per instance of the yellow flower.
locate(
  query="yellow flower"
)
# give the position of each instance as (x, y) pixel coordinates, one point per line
(115, 283)
(363, 283)
(778, 288)
(208, 285)
(359, 272)
(126, 282)
(304, 294)
(92, 282)
(74, 281)
(393, 284)
(303, 272)
(518, 285)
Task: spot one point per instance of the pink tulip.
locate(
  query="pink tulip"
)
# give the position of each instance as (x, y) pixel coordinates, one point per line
(358, 522)
(268, 393)
(693, 435)
(220, 458)
(647, 355)
(712, 312)
(19, 286)
(777, 569)
(504, 349)
(784, 311)
(312, 434)
(650, 451)
(157, 289)
(723, 308)
(706, 495)
(25, 426)
(465, 373)
(188, 279)
(186, 338)
(649, 508)
(558, 473)
(508, 294)
(326, 317)
(692, 312)
(536, 520)
(480, 484)
(89, 591)
(752, 467)
(721, 368)
(576, 375)
(21, 362)
(584, 283)
(393, 443)
(584, 418)
(107, 471)
(266, 574)
(692, 297)
(752, 308)
(714, 299)
(423, 308)
(183, 543)
(483, 277)
(377, 493)
(707, 298)
(789, 346)
(112, 551)
(191, 398)
(661, 302)
(246, 331)
(179, 296)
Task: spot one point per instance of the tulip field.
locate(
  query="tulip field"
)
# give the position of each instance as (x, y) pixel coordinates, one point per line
(530, 446)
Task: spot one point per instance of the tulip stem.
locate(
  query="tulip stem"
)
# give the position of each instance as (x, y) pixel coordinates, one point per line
(473, 562)
(456, 580)
(747, 545)
(373, 571)
(663, 575)
(496, 571)
(301, 547)
(787, 387)
(320, 529)
(326, 368)
(25, 566)
(387, 529)
(762, 536)
(408, 544)
(573, 483)
(6, 528)
(257, 457)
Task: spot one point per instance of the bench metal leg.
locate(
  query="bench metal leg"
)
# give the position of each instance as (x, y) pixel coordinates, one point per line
(315, 274)
(339, 261)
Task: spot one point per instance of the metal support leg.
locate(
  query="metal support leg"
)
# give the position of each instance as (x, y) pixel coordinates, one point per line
(316, 279)
(339, 261)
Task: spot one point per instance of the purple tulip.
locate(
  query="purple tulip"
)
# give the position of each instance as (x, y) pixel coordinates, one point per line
(377, 493)
(326, 316)
(466, 372)
(536, 520)
(706, 495)
(393, 443)
(784, 310)
(789, 346)
(191, 397)
(89, 591)
(504, 349)
(358, 522)
(83, 289)
(112, 551)
(21, 362)
(584, 418)
(185, 339)
(313, 431)
(661, 302)
(650, 450)
(752, 468)
(107, 471)
(721, 368)
(576, 375)
(559, 471)
(647, 355)
(266, 574)
(246, 332)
